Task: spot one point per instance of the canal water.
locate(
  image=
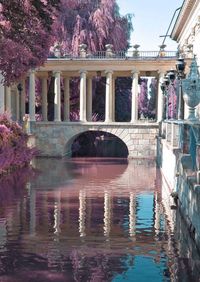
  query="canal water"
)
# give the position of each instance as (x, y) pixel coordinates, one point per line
(91, 220)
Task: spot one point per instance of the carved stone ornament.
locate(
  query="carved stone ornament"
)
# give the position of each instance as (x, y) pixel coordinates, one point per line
(191, 89)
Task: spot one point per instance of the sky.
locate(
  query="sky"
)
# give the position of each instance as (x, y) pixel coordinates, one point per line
(151, 19)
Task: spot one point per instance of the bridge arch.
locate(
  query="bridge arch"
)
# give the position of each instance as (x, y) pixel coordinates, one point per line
(96, 143)
(55, 139)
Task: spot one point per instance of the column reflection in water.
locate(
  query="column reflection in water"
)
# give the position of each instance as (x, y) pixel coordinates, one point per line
(107, 214)
(3, 234)
(82, 212)
(32, 197)
(56, 214)
(157, 214)
(132, 215)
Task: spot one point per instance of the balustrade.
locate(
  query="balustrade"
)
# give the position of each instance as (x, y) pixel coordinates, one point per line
(126, 55)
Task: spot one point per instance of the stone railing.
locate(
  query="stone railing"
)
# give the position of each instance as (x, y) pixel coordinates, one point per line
(172, 131)
(120, 55)
(185, 137)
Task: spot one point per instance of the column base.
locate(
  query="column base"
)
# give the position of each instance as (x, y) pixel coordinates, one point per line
(134, 120)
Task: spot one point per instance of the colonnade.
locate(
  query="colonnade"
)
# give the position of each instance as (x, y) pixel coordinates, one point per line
(85, 96)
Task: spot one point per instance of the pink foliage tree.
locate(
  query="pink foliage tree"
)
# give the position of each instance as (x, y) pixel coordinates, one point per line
(26, 35)
(152, 99)
(92, 22)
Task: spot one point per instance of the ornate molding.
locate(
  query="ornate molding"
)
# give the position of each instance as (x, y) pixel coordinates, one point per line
(184, 14)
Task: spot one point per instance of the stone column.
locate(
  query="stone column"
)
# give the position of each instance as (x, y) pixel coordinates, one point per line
(83, 95)
(89, 99)
(113, 101)
(32, 95)
(23, 99)
(160, 101)
(66, 99)
(2, 96)
(134, 108)
(57, 98)
(44, 98)
(17, 104)
(8, 99)
(108, 100)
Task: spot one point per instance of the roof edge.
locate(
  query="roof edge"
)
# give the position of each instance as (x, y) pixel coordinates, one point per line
(183, 15)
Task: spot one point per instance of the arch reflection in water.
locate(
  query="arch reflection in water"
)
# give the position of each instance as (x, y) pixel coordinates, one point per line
(91, 229)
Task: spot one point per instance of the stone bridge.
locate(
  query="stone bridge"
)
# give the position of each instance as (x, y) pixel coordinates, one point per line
(54, 136)
(55, 139)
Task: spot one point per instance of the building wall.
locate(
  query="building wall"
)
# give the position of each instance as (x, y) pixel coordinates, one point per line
(186, 32)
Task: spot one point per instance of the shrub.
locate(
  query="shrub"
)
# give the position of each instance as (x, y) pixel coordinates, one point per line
(14, 151)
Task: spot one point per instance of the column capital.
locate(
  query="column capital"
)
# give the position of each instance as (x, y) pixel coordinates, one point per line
(135, 71)
(83, 72)
(56, 72)
(108, 71)
(32, 71)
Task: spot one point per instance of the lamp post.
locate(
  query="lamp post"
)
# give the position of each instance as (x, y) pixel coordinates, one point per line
(164, 88)
(180, 67)
(20, 89)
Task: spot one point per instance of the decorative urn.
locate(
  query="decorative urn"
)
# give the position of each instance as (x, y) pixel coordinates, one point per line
(191, 89)
(57, 51)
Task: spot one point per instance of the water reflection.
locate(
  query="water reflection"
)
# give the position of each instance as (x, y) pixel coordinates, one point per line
(91, 220)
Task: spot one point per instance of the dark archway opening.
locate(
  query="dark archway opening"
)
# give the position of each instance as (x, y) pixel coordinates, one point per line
(99, 144)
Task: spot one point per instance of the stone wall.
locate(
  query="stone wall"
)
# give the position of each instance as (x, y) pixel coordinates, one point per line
(179, 180)
(189, 199)
(55, 139)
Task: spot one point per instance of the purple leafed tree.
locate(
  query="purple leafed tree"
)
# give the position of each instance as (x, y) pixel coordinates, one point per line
(26, 35)
(92, 22)
(152, 99)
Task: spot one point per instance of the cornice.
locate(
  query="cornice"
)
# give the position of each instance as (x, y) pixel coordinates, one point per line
(184, 14)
